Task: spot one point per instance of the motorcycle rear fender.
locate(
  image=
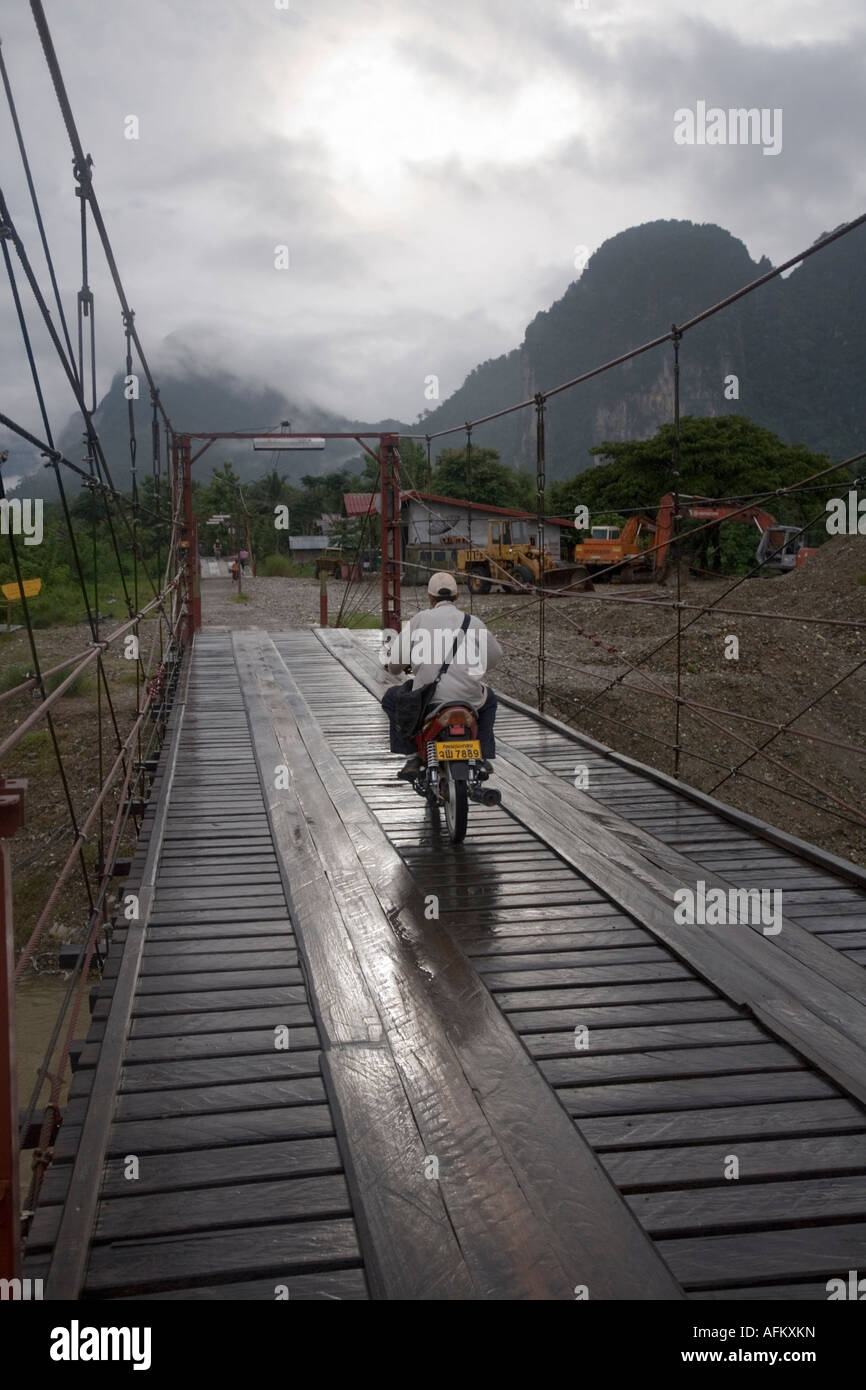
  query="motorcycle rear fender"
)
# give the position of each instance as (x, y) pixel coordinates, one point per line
(459, 771)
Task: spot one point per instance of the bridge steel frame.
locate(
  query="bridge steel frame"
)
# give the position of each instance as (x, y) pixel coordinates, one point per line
(388, 459)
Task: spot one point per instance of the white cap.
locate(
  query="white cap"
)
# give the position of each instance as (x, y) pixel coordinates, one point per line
(442, 585)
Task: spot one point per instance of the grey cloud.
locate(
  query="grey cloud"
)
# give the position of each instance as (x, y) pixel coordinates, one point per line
(445, 266)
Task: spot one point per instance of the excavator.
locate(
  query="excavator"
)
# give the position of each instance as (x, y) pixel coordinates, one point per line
(780, 549)
(641, 548)
(612, 545)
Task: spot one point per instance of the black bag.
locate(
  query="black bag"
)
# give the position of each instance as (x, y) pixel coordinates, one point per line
(410, 706)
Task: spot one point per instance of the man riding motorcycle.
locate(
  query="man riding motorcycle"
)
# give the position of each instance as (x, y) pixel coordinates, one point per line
(432, 635)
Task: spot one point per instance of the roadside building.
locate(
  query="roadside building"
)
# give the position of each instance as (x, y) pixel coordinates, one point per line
(305, 549)
(434, 528)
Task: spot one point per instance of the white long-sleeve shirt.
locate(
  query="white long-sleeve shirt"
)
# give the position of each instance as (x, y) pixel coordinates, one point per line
(431, 634)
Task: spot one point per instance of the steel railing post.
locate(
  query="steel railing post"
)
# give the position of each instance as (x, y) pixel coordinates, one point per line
(11, 817)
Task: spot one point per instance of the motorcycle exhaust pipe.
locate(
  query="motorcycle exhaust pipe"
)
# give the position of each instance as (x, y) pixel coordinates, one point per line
(487, 796)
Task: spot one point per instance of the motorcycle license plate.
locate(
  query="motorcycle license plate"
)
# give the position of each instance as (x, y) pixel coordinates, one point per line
(459, 752)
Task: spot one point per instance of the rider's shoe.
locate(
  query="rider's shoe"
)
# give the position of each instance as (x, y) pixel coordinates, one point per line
(410, 769)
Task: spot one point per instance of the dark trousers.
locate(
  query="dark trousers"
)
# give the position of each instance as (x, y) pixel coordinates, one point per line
(486, 716)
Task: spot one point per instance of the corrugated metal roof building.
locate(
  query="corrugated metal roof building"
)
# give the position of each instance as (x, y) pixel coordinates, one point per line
(434, 528)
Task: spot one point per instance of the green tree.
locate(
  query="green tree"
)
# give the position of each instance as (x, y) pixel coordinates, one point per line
(221, 493)
(723, 456)
(492, 480)
(415, 472)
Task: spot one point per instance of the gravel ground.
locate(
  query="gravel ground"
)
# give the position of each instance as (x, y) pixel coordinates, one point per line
(784, 664)
(41, 846)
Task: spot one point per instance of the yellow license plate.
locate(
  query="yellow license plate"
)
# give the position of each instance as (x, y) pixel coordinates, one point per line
(459, 752)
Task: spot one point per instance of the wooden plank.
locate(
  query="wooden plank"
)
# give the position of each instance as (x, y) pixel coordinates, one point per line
(605, 996)
(756, 1120)
(613, 976)
(163, 936)
(542, 961)
(751, 1206)
(155, 965)
(704, 1164)
(588, 1069)
(159, 949)
(228, 914)
(213, 1071)
(301, 1061)
(257, 1039)
(243, 1206)
(503, 947)
(345, 1285)
(823, 1251)
(167, 1262)
(784, 1293)
(626, 1018)
(205, 1100)
(624, 1042)
(691, 1093)
(152, 1008)
(355, 1074)
(196, 1169)
(243, 976)
(382, 1126)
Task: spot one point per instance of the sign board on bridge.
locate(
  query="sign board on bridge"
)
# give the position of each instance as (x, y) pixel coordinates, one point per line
(30, 588)
(290, 442)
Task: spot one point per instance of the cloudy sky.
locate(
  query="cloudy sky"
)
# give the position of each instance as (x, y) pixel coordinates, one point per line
(432, 167)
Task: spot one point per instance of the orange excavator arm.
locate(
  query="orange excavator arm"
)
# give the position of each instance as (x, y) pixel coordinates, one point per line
(701, 509)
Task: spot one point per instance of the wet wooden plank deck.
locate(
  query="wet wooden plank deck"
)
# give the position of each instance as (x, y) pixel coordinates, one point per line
(433, 1131)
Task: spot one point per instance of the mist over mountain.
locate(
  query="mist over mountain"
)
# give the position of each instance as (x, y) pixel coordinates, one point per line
(797, 347)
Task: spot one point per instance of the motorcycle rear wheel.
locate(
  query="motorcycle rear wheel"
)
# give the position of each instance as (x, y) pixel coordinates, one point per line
(455, 796)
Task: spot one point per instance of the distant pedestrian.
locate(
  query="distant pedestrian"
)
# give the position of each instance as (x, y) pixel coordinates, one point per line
(235, 572)
(217, 550)
(243, 557)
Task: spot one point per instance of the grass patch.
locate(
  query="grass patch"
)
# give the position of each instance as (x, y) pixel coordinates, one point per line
(84, 684)
(282, 567)
(861, 579)
(36, 752)
(12, 676)
(239, 598)
(357, 620)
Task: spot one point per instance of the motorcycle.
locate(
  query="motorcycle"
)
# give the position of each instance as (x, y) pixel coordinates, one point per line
(452, 773)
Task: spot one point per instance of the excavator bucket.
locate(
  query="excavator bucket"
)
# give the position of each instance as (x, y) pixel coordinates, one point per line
(575, 578)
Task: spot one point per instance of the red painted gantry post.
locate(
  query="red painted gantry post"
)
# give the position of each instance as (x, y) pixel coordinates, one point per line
(189, 540)
(11, 817)
(392, 557)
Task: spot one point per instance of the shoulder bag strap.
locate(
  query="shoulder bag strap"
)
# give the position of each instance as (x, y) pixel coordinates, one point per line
(445, 664)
